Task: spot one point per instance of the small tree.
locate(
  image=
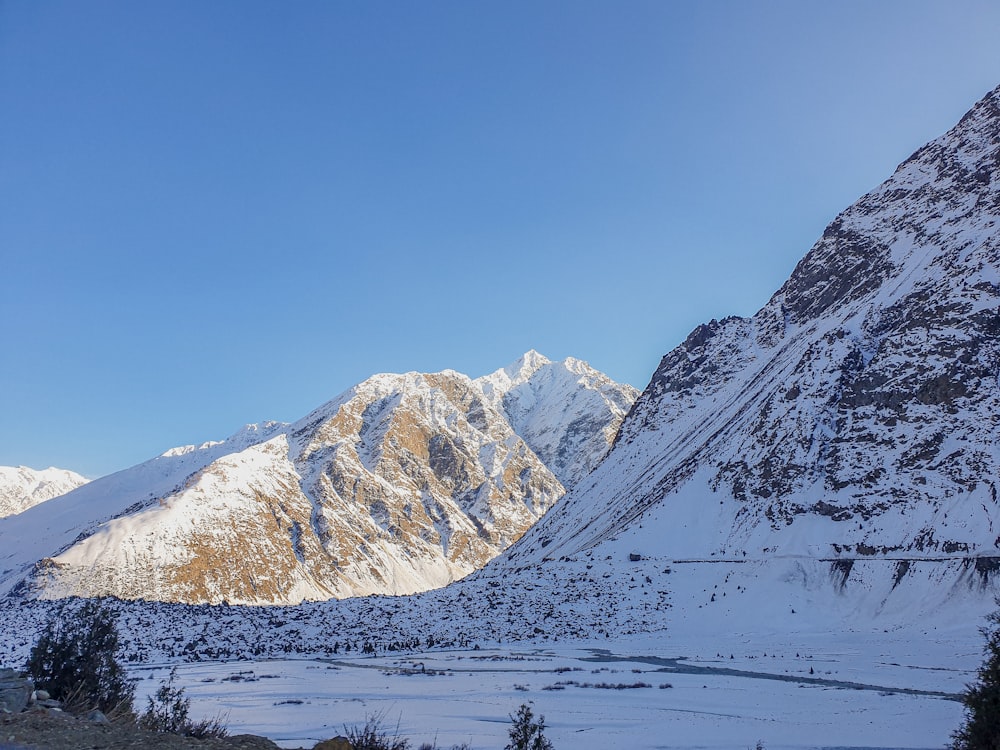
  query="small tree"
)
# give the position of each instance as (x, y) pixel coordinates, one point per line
(75, 659)
(526, 733)
(982, 699)
(167, 711)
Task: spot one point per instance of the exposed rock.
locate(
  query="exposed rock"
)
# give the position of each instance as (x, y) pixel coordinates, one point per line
(15, 691)
(336, 743)
(63, 732)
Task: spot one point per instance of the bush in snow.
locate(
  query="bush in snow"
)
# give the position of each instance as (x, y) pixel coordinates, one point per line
(75, 660)
(374, 736)
(526, 733)
(168, 712)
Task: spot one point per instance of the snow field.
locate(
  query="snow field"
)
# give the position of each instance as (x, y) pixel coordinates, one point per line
(453, 697)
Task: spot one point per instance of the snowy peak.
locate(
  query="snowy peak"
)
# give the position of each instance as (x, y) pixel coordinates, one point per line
(22, 488)
(496, 384)
(567, 412)
(927, 221)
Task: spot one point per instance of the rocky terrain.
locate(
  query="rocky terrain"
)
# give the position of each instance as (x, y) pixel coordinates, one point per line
(44, 731)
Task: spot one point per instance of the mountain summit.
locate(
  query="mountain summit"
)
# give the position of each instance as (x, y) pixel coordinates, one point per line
(567, 411)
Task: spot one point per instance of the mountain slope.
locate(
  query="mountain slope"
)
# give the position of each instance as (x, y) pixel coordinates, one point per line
(854, 419)
(21, 487)
(403, 483)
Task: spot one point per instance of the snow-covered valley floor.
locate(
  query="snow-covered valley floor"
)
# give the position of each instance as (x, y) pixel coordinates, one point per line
(849, 690)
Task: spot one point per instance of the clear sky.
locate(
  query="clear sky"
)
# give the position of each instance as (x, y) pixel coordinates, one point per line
(214, 213)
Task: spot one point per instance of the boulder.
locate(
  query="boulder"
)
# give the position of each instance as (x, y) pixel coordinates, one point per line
(15, 692)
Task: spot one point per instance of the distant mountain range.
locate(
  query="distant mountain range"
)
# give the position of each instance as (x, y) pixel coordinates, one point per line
(403, 483)
(21, 487)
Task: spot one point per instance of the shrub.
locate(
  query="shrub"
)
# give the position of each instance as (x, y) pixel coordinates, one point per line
(168, 710)
(526, 733)
(75, 660)
(982, 698)
(374, 736)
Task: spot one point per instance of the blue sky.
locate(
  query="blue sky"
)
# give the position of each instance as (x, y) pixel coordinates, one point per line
(220, 213)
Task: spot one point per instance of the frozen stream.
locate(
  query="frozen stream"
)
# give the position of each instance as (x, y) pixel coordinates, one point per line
(865, 691)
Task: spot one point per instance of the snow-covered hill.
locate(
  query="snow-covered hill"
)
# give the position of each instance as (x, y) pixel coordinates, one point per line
(401, 484)
(21, 487)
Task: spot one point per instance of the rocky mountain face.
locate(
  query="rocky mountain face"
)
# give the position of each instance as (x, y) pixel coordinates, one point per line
(21, 487)
(401, 484)
(847, 434)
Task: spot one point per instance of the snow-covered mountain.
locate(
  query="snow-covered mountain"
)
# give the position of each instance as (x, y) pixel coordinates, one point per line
(21, 487)
(829, 463)
(846, 435)
(401, 484)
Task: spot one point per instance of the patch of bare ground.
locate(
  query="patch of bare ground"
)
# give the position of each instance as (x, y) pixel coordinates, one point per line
(42, 730)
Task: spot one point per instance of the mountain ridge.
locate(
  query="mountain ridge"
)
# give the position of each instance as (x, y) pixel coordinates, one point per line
(401, 483)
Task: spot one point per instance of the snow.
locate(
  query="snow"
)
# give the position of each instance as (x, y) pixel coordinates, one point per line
(22, 487)
(765, 692)
(45, 530)
(567, 412)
